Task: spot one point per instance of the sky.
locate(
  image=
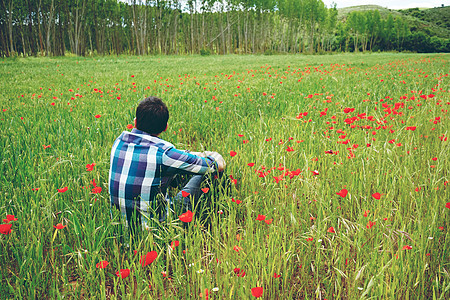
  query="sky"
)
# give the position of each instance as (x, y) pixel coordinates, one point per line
(392, 4)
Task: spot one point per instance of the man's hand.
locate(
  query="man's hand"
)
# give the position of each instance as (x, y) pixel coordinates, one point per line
(218, 158)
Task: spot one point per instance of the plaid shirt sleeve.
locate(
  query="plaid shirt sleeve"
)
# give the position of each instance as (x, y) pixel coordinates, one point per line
(178, 161)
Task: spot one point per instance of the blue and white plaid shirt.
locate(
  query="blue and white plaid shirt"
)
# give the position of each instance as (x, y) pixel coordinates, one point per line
(142, 166)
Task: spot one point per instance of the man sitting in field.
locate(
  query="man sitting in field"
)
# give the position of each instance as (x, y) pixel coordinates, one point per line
(143, 166)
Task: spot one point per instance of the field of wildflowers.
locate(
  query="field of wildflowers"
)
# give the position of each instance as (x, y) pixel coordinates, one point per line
(339, 171)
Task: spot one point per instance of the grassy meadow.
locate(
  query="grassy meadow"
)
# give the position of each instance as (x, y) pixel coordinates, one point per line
(339, 169)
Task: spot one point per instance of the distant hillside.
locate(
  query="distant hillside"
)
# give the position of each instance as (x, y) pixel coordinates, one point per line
(344, 12)
(439, 16)
(431, 21)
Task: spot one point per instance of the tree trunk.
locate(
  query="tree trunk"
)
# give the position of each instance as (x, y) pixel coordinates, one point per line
(239, 41)
(222, 34)
(175, 32)
(70, 29)
(10, 26)
(135, 23)
(96, 34)
(246, 32)
(228, 32)
(24, 51)
(253, 36)
(4, 43)
(30, 30)
(311, 38)
(49, 27)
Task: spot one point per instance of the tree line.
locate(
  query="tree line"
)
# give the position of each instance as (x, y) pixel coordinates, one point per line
(86, 27)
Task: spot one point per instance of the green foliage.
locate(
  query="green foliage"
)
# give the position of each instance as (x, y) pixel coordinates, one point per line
(439, 15)
(102, 27)
(304, 129)
(205, 52)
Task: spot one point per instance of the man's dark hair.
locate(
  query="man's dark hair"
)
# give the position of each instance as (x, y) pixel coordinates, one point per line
(152, 115)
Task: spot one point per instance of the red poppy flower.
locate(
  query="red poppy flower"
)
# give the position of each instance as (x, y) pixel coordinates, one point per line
(257, 292)
(174, 244)
(64, 189)
(237, 248)
(233, 153)
(11, 218)
(370, 224)
(407, 247)
(148, 258)
(46, 146)
(275, 275)
(310, 239)
(412, 128)
(5, 228)
(59, 226)
(123, 273)
(269, 221)
(239, 272)
(102, 265)
(184, 194)
(186, 217)
(90, 167)
(348, 110)
(289, 149)
(97, 190)
(434, 159)
(97, 116)
(343, 193)
(261, 218)
(250, 164)
(331, 230)
(130, 126)
(376, 196)
(205, 190)
(447, 205)
(236, 200)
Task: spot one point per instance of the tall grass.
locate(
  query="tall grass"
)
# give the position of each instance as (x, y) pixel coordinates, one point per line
(324, 245)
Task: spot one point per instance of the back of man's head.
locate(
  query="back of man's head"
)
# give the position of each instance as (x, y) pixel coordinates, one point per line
(152, 116)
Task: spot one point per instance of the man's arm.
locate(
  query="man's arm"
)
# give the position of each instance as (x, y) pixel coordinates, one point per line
(192, 162)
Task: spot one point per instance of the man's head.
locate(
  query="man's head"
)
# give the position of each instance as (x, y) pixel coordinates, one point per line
(152, 116)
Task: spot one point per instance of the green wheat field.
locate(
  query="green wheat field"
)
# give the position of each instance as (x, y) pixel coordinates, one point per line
(338, 172)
